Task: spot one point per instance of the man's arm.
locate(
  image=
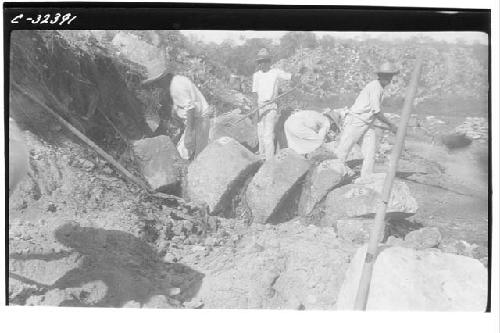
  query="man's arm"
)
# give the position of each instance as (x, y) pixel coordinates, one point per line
(380, 116)
(190, 135)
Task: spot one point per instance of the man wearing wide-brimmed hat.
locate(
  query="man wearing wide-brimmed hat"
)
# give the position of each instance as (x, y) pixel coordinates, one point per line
(265, 86)
(181, 96)
(358, 125)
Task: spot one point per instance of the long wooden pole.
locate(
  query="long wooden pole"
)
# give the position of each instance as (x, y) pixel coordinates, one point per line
(85, 139)
(260, 107)
(379, 222)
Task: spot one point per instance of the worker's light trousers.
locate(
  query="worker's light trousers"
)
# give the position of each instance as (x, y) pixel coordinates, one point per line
(265, 130)
(356, 130)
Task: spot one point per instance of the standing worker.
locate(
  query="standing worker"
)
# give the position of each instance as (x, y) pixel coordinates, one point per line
(265, 86)
(180, 95)
(360, 118)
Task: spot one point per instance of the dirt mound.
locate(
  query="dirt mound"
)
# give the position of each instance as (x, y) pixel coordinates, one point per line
(90, 90)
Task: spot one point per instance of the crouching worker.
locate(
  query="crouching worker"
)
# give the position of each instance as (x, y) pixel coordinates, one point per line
(305, 131)
(180, 98)
(18, 156)
(358, 123)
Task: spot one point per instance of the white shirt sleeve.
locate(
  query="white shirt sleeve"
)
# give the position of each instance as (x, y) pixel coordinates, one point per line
(255, 82)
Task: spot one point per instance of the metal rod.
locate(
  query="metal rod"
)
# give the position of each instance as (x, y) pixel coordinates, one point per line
(379, 222)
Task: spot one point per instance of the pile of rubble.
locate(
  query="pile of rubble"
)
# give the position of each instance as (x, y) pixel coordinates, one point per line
(475, 128)
(346, 67)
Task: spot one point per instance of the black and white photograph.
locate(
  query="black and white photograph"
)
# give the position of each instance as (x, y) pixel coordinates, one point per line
(280, 169)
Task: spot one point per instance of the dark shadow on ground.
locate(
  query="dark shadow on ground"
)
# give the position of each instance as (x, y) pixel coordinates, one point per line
(129, 267)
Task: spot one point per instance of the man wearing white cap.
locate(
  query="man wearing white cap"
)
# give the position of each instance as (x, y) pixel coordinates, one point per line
(180, 95)
(360, 118)
(265, 86)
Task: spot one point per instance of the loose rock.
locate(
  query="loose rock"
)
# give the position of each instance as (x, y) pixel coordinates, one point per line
(319, 181)
(242, 131)
(355, 230)
(274, 183)
(219, 172)
(159, 161)
(424, 238)
(407, 279)
(360, 200)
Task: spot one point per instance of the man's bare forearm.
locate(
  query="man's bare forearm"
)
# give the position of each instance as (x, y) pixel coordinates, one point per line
(380, 116)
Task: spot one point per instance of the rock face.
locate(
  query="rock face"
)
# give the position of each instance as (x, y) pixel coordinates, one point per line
(360, 200)
(274, 185)
(219, 172)
(243, 132)
(319, 181)
(159, 161)
(409, 279)
(287, 266)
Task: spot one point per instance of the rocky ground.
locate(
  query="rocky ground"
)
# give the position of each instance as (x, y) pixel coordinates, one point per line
(279, 234)
(79, 235)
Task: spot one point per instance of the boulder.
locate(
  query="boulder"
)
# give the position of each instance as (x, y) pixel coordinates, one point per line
(274, 186)
(424, 238)
(360, 200)
(409, 279)
(159, 162)
(219, 172)
(319, 181)
(288, 266)
(244, 131)
(355, 230)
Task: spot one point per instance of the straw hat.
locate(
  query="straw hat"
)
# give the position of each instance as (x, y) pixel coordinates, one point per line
(263, 54)
(387, 68)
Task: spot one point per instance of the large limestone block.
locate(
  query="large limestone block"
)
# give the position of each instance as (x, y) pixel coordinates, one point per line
(219, 172)
(360, 200)
(408, 279)
(275, 182)
(159, 162)
(244, 131)
(319, 181)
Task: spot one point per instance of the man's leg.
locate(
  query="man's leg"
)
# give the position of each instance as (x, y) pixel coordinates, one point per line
(260, 136)
(353, 131)
(268, 135)
(202, 133)
(369, 150)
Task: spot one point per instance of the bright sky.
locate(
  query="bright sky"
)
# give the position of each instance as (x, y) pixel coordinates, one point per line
(238, 36)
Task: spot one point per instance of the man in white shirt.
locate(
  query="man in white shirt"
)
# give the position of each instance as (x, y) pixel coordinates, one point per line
(359, 120)
(265, 86)
(180, 95)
